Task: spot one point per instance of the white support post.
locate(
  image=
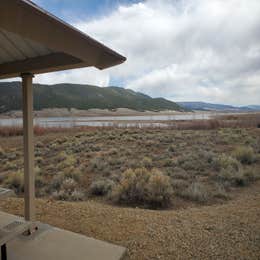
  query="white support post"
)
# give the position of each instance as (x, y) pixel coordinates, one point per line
(29, 178)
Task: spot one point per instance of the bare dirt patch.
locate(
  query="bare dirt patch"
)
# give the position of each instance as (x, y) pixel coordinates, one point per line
(224, 231)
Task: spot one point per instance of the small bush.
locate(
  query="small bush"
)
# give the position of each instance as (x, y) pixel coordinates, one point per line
(39, 181)
(56, 182)
(98, 164)
(167, 162)
(113, 151)
(179, 173)
(10, 166)
(172, 148)
(196, 192)
(15, 181)
(232, 176)
(244, 154)
(101, 187)
(73, 173)
(225, 161)
(251, 175)
(68, 161)
(220, 192)
(69, 184)
(179, 184)
(147, 162)
(2, 152)
(69, 191)
(143, 187)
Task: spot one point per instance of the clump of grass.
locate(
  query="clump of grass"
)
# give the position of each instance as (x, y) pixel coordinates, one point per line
(113, 151)
(178, 173)
(98, 164)
(67, 161)
(196, 192)
(244, 154)
(55, 183)
(2, 152)
(73, 173)
(225, 161)
(172, 148)
(220, 192)
(15, 181)
(143, 187)
(232, 176)
(147, 162)
(10, 165)
(69, 191)
(251, 175)
(168, 162)
(179, 184)
(39, 181)
(101, 187)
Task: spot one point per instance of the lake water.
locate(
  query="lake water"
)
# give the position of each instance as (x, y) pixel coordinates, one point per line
(120, 121)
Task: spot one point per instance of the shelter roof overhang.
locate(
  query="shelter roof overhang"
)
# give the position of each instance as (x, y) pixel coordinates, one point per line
(32, 40)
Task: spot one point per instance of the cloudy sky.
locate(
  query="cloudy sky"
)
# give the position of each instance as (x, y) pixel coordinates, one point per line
(183, 50)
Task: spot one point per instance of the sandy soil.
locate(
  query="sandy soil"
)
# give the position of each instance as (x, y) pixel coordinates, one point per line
(224, 231)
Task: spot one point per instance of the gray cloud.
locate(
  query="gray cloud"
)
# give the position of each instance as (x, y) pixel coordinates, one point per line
(181, 50)
(187, 50)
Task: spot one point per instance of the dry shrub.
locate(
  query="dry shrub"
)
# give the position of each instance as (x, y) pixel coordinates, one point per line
(147, 162)
(143, 187)
(179, 184)
(244, 154)
(225, 161)
(15, 181)
(198, 124)
(2, 152)
(232, 177)
(68, 190)
(196, 192)
(220, 191)
(179, 173)
(38, 130)
(11, 131)
(101, 187)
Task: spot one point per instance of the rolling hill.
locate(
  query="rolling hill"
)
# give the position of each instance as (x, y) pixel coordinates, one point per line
(203, 106)
(81, 97)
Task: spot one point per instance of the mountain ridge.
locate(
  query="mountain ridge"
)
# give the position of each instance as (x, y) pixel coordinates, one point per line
(81, 96)
(204, 106)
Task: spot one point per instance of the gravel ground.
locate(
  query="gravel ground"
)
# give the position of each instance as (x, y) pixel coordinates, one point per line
(224, 231)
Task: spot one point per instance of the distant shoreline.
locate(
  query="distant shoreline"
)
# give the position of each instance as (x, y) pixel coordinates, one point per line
(64, 112)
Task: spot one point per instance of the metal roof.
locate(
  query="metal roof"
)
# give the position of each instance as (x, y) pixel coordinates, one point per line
(15, 48)
(32, 40)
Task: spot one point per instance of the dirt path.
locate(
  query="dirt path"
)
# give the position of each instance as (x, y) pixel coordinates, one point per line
(227, 231)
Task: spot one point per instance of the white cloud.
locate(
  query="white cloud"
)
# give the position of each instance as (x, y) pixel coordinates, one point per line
(186, 50)
(78, 76)
(180, 49)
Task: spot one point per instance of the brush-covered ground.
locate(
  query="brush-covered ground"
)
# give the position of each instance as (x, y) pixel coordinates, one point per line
(100, 182)
(150, 168)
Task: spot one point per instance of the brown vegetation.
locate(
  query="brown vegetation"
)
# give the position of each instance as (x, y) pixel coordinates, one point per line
(140, 167)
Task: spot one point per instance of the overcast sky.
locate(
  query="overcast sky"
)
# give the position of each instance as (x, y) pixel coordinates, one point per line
(189, 50)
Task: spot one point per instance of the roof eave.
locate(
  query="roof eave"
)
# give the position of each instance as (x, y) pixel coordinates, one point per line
(55, 34)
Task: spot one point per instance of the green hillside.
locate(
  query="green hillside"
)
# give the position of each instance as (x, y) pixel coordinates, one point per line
(81, 97)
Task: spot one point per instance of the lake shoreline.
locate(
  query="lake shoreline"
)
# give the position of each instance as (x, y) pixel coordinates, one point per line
(63, 112)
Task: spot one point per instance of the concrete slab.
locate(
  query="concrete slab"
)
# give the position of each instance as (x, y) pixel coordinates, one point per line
(53, 243)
